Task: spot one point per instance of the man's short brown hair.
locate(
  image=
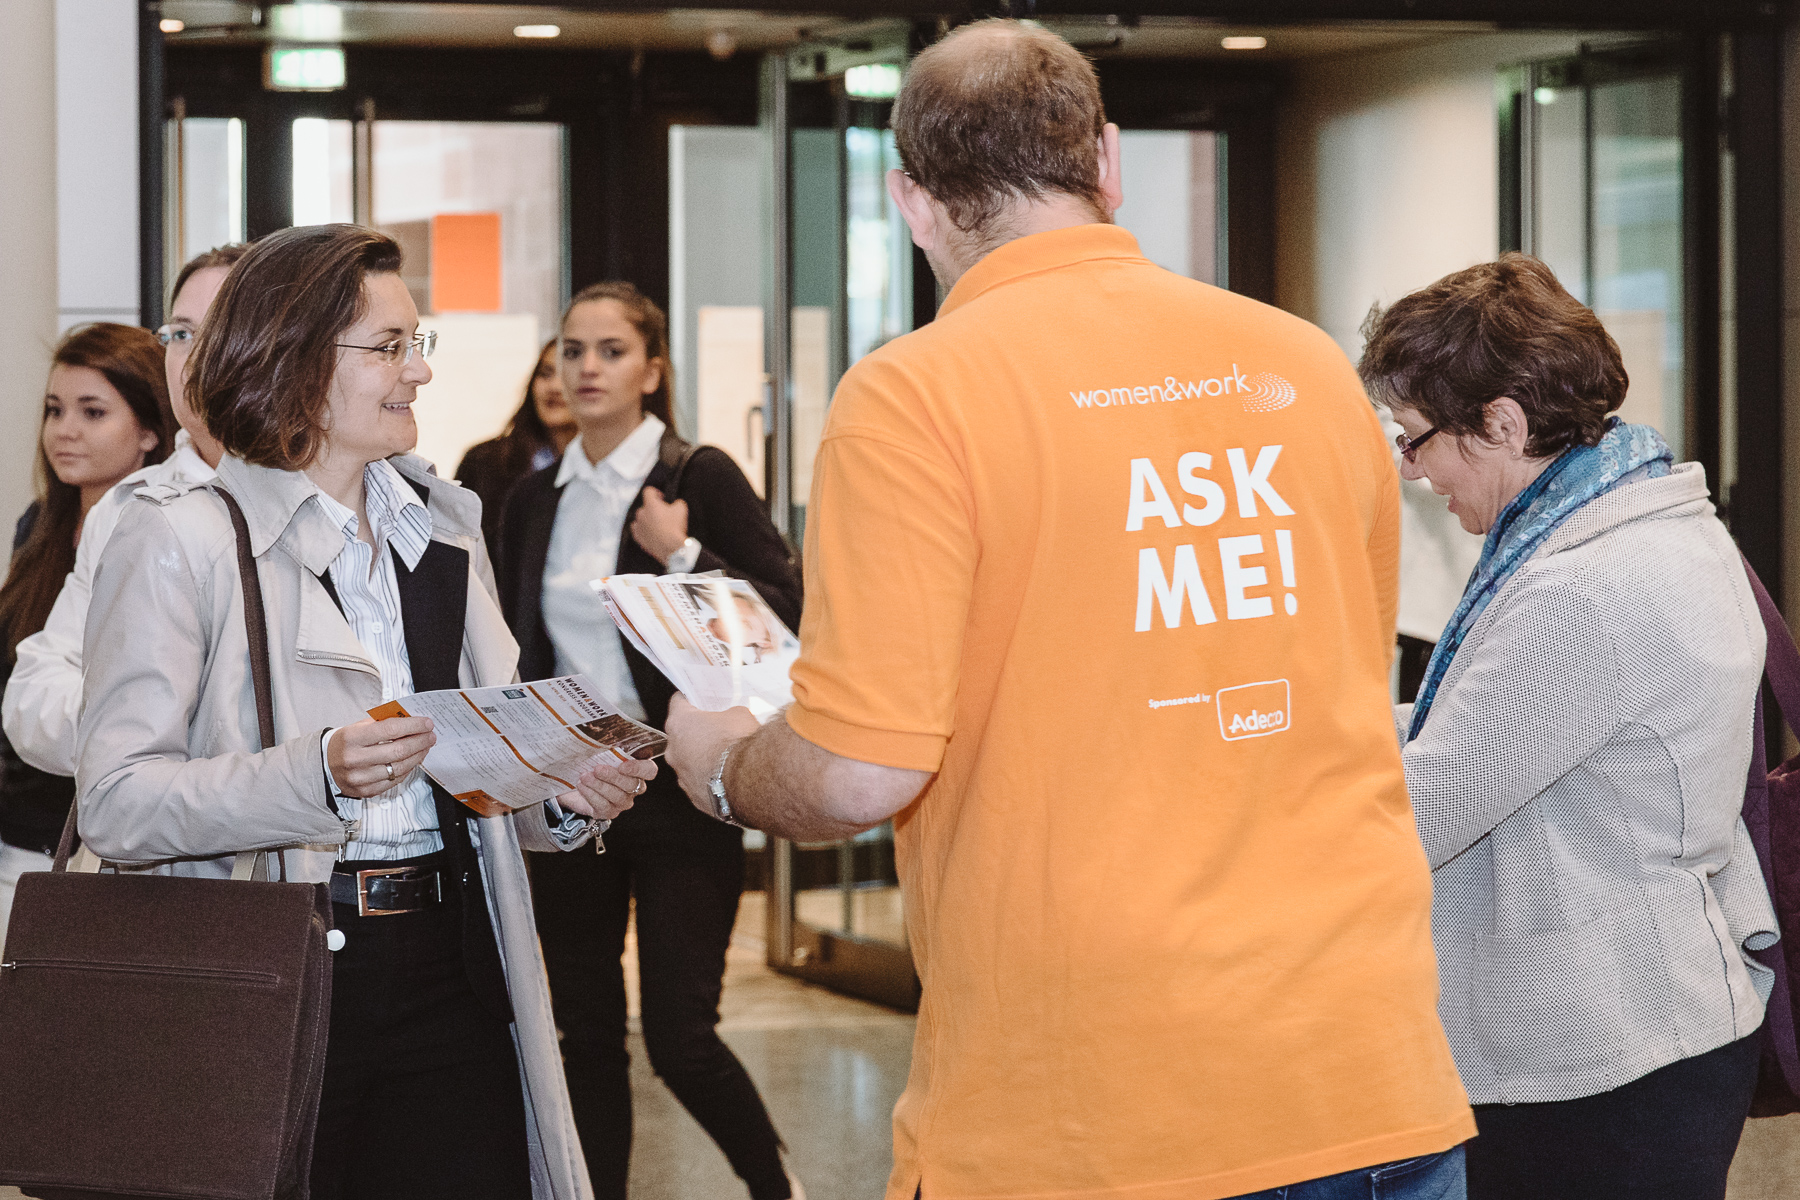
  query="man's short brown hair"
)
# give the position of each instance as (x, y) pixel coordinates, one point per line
(1504, 328)
(1000, 111)
(261, 372)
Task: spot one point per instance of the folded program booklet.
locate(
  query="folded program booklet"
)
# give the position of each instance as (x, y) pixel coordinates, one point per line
(500, 749)
(715, 638)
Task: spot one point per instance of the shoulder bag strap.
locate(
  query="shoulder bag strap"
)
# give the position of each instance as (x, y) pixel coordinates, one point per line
(257, 625)
(673, 490)
(255, 622)
(1782, 664)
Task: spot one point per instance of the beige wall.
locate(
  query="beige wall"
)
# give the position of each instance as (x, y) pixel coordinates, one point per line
(1388, 173)
(28, 298)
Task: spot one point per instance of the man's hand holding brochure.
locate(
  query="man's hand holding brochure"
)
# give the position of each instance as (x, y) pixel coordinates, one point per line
(714, 637)
(500, 749)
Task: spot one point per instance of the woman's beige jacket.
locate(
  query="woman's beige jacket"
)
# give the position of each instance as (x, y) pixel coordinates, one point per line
(168, 771)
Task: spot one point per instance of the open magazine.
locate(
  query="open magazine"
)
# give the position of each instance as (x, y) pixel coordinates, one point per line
(500, 749)
(714, 637)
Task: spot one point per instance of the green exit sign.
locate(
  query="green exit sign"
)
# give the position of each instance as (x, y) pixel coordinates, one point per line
(304, 68)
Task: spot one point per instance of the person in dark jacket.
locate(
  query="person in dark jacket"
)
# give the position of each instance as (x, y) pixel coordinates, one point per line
(106, 414)
(629, 496)
(535, 437)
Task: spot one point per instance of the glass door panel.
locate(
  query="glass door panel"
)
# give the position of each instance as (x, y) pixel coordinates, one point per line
(845, 276)
(1601, 202)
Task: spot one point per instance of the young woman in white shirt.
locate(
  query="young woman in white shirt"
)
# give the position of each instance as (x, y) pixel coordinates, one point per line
(630, 496)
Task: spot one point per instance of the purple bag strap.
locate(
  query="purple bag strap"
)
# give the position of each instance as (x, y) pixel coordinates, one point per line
(1782, 669)
(1783, 663)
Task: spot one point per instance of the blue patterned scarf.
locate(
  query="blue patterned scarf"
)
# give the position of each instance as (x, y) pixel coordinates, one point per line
(1577, 476)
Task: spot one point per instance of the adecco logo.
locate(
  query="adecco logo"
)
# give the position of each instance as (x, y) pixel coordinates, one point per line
(1254, 709)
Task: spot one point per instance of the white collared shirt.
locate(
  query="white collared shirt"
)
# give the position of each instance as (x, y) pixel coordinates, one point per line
(401, 822)
(584, 545)
(43, 696)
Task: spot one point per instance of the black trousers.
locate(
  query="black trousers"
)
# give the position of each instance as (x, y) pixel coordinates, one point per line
(687, 872)
(1668, 1136)
(422, 1095)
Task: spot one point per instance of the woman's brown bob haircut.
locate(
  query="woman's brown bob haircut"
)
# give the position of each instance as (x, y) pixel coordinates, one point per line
(260, 376)
(999, 112)
(652, 325)
(1505, 328)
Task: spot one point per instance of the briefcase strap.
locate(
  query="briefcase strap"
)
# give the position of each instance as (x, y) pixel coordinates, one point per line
(256, 625)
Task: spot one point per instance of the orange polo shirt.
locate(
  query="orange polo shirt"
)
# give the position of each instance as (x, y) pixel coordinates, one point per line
(1115, 554)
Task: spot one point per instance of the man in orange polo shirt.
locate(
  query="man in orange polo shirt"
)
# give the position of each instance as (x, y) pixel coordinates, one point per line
(1101, 583)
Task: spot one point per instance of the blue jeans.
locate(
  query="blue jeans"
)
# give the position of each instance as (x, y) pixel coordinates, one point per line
(1433, 1177)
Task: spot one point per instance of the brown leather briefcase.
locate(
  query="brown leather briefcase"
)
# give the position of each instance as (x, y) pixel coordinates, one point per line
(165, 1036)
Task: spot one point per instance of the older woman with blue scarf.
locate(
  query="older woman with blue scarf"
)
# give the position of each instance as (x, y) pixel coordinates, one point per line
(1577, 754)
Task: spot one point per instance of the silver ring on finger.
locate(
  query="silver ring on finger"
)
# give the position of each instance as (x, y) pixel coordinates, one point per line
(390, 771)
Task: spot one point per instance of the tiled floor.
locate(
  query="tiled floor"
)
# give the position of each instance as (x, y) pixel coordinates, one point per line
(830, 1069)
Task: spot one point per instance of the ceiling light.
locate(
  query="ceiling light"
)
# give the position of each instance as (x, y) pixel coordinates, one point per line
(1244, 43)
(171, 25)
(1544, 95)
(310, 22)
(873, 81)
(537, 31)
(721, 44)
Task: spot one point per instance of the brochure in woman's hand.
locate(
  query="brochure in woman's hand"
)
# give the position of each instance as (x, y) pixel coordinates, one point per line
(500, 749)
(713, 636)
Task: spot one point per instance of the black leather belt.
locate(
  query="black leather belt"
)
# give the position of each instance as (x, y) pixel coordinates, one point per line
(388, 891)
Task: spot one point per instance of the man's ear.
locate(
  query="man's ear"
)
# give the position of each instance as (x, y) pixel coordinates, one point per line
(1111, 185)
(914, 203)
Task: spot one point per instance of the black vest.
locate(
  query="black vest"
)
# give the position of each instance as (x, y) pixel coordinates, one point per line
(434, 598)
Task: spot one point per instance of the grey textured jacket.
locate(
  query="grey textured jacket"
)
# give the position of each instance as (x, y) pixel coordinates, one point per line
(1578, 787)
(165, 760)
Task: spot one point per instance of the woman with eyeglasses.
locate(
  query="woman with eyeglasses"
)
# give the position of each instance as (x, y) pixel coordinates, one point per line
(1577, 754)
(536, 436)
(441, 1076)
(106, 413)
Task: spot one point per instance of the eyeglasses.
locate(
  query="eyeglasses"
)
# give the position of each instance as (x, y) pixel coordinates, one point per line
(169, 334)
(1409, 447)
(400, 351)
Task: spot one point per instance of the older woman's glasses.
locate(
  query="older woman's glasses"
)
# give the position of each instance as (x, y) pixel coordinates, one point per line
(1409, 446)
(399, 352)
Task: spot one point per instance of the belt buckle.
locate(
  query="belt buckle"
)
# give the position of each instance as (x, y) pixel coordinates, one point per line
(362, 890)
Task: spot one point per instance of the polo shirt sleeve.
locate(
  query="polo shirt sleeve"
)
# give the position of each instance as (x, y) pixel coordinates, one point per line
(890, 565)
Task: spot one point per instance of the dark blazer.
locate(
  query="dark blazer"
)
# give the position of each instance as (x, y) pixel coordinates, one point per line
(490, 469)
(724, 513)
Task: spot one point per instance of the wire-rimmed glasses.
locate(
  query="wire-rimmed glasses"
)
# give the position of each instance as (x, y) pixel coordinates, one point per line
(400, 351)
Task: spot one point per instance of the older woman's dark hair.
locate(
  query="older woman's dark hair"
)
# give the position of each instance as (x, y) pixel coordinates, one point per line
(1504, 328)
(261, 372)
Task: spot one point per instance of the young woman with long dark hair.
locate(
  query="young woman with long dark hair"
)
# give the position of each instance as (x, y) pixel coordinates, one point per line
(630, 496)
(106, 414)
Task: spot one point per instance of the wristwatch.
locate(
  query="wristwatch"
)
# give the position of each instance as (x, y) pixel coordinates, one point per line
(685, 557)
(715, 787)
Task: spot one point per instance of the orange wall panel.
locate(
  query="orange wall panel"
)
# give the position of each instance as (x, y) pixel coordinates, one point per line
(465, 262)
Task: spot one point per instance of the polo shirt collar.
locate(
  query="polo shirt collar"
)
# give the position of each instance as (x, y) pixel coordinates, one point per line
(1039, 252)
(630, 459)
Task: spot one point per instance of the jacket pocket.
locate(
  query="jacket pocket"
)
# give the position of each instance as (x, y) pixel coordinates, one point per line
(1550, 1002)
